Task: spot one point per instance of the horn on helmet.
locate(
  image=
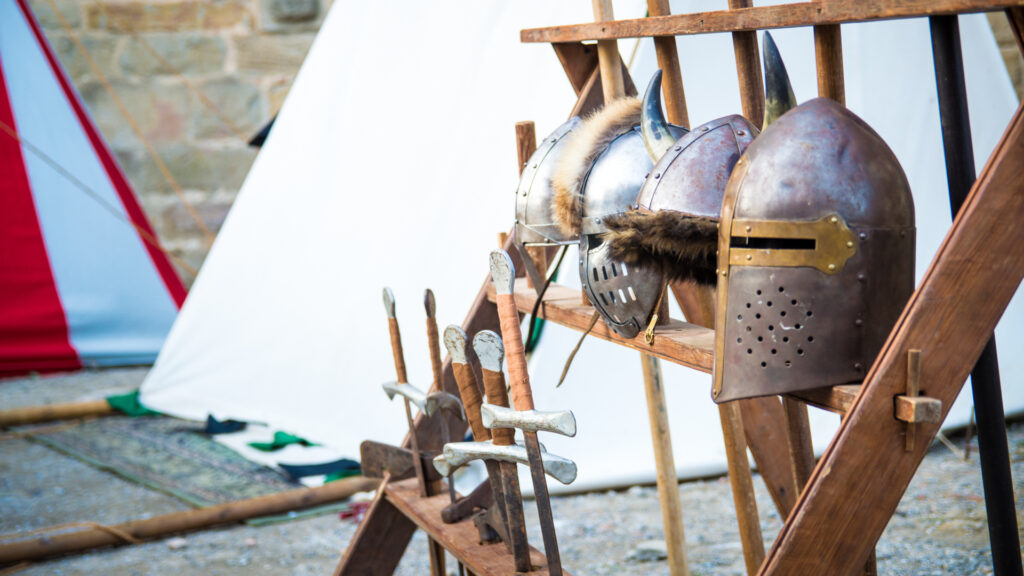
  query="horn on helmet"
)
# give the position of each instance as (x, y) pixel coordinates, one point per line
(778, 93)
(657, 133)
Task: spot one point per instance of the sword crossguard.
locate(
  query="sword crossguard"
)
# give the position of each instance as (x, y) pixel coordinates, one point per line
(443, 401)
(460, 453)
(559, 421)
(405, 390)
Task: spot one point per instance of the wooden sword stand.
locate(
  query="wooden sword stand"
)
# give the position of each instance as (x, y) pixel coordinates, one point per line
(834, 510)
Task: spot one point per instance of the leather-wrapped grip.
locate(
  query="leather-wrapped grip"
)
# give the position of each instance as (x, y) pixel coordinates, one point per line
(494, 386)
(471, 399)
(515, 353)
(435, 353)
(396, 349)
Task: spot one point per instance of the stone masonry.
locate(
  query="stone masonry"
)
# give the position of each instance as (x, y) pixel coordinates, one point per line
(240, 55)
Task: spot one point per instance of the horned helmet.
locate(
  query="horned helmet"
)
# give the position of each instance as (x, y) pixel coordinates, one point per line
(815, 253)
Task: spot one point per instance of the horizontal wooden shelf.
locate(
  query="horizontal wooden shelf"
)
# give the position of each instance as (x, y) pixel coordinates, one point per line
(677, 342)
(762, 18)
(461, 538)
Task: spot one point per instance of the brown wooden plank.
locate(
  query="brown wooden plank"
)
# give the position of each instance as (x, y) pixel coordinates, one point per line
(460, 538)
(677, 342)
(828, 53)
(949, 319)
(761, 18)
(748, 69)
(668, 61)
(578, 60)
(764, 427)
(836, 399)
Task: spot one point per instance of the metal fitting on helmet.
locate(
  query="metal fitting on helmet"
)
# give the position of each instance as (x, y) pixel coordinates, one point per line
(816, 255)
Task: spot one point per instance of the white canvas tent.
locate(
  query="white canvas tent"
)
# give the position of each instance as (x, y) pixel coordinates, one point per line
(393, 163)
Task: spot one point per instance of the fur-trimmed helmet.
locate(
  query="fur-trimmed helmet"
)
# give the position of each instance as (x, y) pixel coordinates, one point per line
(815, 255)
(598, 175)
(673, 228)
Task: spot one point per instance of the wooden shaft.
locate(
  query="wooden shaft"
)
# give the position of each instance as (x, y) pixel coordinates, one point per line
(66, 411)
(52, 544)
(1016, 18)
(415, 444)
(664, 460)
(801, 449)
(608, 56)
(828, 52)
(469, 391)
(671, 75)
(515, 354)
(396, 350)
(748, 69)
(494, 386)
(526, 145)
(435, 356)
(742, 486)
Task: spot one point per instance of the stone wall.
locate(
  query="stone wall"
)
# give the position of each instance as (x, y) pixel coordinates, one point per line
(239, 55)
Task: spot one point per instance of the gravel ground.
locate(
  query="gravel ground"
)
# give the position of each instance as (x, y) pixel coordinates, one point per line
(939, 527)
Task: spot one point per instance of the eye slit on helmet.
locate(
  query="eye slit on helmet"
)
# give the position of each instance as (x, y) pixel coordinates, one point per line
(762, 243)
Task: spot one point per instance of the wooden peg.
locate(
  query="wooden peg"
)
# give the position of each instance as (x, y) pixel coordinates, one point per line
(911, 408)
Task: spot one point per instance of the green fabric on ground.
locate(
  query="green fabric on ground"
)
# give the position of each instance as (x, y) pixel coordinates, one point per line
(281, 439)
(129, 404)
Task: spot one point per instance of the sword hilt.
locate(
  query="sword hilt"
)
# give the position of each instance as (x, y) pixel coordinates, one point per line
(432, 339)
(396, 336)
(503, 273)
(489, 349)
(465, 378)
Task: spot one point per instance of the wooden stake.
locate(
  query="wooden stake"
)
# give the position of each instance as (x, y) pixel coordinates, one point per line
(671, 75)
(46, 545)
(608, 55)
(66, 411)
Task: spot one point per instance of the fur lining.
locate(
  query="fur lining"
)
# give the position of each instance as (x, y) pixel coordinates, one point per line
(596, 133)
(679, 246)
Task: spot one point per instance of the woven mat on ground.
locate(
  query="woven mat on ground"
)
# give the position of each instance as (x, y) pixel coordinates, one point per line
(170, 455)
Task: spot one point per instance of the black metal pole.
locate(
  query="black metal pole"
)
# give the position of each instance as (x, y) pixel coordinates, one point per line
(985, 385)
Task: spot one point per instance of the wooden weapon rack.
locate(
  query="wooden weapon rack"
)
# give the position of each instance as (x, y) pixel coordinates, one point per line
(835, 510)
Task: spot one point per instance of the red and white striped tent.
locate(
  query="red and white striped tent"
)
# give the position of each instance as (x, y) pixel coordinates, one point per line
(83, 280)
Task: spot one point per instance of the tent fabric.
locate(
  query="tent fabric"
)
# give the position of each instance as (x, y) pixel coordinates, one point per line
(82, 280)
(385, 169)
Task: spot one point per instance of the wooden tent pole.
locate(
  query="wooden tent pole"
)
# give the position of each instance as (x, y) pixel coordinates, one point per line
(51, 412)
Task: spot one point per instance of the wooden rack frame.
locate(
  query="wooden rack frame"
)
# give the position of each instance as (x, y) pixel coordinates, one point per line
(946, 322)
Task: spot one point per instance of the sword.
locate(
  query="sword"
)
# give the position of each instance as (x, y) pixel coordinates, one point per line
(503, 275)
(449, 406)
(436, 552)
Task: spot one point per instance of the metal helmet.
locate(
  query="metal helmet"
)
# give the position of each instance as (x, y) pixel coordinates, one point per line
(673, 228)
(535, 225)
(816, 255)
(600, 177)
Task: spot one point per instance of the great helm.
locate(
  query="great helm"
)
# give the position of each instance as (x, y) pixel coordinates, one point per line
(815, 255)
(673, 228)
(599, 175)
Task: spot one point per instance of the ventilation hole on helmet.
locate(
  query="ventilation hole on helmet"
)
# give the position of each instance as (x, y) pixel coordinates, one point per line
(797, 326)
(785, 339)
(739, 340)
(783, 313)
(604, 272)
(748, 304)
(750, 351)
(615, 273)
(800, 351)
(758, 315)
(595, 275)
(623, 296)
(631, 293)
(764, 364)
(770, 327)
(793, 302)
(769, 303)
(781, 289)
(760, 338)
(787, 363)
(810, 338)
(611, 294)
(758, 292)
(624, 271)
(774, 351)
(809, 313)
(739, 316)
(601, 295)
(749, 328)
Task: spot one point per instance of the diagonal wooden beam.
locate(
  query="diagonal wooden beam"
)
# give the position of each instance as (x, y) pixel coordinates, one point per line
(949, 318)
